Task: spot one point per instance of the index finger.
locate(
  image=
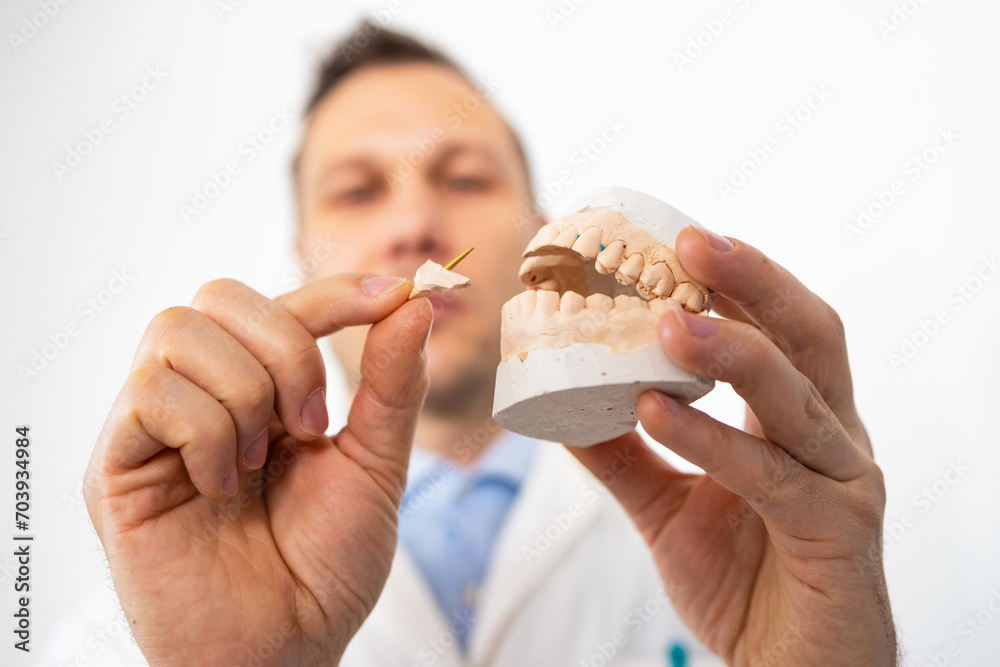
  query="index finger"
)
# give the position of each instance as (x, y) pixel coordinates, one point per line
(328, 305)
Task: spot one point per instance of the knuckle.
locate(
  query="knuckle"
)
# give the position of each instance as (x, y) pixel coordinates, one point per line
(741, 358)
(215, 290)
(175, 317)
(216, 427)
(872, 507)
(814, 408)
(166, 325)
(263, 392)
(145, 380)
(148, 394)
(834, 323)
(294, 354)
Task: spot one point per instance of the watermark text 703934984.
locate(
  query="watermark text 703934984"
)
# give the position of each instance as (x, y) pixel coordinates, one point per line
(22, 540)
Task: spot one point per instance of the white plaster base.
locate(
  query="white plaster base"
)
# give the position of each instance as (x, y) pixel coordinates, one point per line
(585, 394)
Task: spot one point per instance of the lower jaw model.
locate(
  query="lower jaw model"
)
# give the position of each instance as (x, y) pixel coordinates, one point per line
(580, 344)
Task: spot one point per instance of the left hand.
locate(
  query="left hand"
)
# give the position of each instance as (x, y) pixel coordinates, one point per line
(774, 556)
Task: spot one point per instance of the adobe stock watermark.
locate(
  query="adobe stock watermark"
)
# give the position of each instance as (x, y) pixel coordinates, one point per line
(452, 119)
(74, 503)
(723, 360)
(219, 179)
(923, 502)
(634, 622)
(120, 109)
(100, 640)
(466, 449)
(968, 630)
(700, 41)
(430, 652)
(559, 523)
(774, 653)
(34, 23)
(363, 36)
(223, 8)
(586, 154)
(786, 127)
(929, 327)
(229, 513)
(558, 14)
(780, 476)
(899, 16)
(86, 312)
(912, 170)
(321, 252)
(267, 647)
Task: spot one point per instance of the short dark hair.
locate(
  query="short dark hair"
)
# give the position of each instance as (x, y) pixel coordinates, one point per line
(370, 44)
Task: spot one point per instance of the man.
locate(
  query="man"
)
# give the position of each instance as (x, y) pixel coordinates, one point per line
(230, 520)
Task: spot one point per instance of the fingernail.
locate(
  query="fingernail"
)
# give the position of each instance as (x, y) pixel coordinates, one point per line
(230, 483)
(427, 336)
(717, 241)
(380, 285)
(314, 419)
(668, 404)
(699, 326)
(256, 453)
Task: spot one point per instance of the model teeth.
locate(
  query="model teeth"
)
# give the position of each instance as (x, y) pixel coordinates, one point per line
(630, 270)
(566, 238)
(664, 306)
(551, 266)
(547, 317)
(689, 296)
(542, 302)
(543, 237)
(599, 302)
(656, 280)
(525, 303)
(625, 302)
(589, 243)
(609, 259)
(546, 303)
(551, 285)
(571, 303)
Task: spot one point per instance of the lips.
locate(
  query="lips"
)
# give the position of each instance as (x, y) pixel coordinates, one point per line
(446, 305)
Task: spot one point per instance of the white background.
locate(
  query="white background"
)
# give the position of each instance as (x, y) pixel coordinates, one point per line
(688, 126)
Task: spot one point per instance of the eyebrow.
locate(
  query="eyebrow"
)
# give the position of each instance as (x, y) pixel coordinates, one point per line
(450, 151)
(343, 165)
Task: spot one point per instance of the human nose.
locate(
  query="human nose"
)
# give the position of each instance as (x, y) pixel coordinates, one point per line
(414, 225)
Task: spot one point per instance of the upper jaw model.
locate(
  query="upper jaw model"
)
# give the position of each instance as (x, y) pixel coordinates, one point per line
(580, 344)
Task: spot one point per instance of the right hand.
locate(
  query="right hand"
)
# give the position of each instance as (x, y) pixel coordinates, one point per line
(235, 529)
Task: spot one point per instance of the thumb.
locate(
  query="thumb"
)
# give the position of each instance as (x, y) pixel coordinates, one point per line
(390, 395)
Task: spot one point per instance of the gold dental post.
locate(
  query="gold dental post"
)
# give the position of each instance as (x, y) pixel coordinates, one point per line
(451, 265)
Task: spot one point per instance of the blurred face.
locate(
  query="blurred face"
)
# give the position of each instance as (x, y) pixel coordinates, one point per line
(404, 163)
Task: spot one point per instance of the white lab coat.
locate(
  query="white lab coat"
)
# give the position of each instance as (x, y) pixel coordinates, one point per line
(571, 583)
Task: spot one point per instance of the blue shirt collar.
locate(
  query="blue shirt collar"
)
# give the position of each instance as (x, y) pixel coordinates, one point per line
(507, 459)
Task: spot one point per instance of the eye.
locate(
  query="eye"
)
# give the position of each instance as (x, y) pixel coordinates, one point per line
(468, 184)
(356, 196)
